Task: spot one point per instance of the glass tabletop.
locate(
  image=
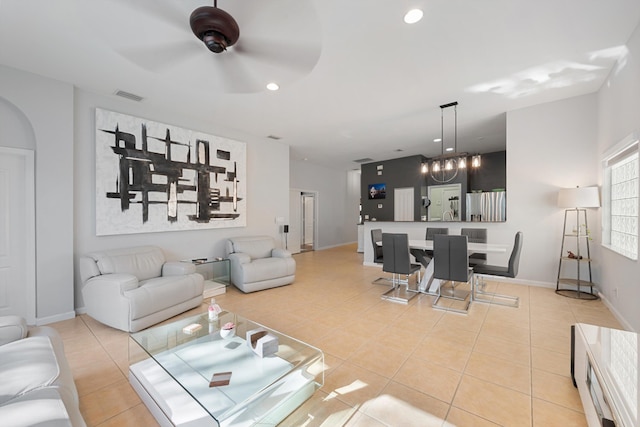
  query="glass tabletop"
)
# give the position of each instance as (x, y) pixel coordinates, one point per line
(229, 373)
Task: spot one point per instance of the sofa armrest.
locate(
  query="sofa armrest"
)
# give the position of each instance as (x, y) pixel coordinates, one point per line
(114, 283)
(177, 268)
(12, 328)
(280, 253)
(239, 258)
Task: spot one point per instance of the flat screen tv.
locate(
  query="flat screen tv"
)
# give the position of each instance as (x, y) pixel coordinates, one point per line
(377, 191)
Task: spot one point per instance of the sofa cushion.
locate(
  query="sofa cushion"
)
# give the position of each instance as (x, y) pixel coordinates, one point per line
(158, 294)
(256, 247)
(41, 407)
(144, 262)
(12, 328)
(268, 268)
(26, 365)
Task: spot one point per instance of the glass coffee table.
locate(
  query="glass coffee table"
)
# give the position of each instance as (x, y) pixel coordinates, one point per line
(186, 373)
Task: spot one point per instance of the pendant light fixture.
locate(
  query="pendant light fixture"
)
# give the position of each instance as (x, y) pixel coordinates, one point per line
(444, 168)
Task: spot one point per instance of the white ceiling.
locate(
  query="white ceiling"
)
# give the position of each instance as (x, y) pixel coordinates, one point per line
(356, 81)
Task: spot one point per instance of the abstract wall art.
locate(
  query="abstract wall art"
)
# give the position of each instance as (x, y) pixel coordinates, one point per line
(153, 177)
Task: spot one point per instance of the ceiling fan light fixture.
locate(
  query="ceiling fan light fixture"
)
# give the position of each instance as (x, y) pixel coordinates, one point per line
(215, 41)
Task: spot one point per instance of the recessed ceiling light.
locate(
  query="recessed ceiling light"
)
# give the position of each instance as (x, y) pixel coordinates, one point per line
(413, 16)
(437, 140)
(449, 149)
(273, 86)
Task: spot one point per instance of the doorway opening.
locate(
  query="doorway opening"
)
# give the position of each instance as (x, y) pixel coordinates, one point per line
(308, 207)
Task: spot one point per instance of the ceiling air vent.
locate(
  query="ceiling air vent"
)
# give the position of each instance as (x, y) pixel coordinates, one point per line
(130, 96)
(365, 160)
(274, 137)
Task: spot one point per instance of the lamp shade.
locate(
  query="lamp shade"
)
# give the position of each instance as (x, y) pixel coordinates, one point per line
(579, 197)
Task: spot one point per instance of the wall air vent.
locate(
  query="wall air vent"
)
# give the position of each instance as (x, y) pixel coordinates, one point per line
(365, 160)
(130, 96)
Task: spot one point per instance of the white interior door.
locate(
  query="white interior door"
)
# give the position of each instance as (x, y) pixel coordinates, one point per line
(308, 220)
(295, 218)
(403, 204)
(17, 235)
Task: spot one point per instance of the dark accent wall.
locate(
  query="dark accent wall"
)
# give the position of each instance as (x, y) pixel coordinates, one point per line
(491, 174)
(396, 173)
(405, 172)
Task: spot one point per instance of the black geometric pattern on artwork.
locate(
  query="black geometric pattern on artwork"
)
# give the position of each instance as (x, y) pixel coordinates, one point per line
(136, 168)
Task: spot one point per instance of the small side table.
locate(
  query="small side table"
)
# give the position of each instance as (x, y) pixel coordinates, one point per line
(216, 273)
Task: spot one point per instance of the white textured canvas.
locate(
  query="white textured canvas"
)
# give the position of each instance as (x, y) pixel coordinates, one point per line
(153, 177)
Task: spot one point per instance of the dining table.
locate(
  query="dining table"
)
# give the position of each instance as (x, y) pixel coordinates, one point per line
(428, 283)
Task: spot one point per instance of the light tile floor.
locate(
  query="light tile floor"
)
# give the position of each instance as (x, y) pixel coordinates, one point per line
(387, 364)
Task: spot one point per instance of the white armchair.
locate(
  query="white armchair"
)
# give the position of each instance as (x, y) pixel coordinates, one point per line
(134, 288)
(257, 264)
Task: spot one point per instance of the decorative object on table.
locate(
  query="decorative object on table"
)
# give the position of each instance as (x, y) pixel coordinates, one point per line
(192, 328)
(220, 379)
(228, 330)
(154, 177)
(214, 310)
(262, 343)
(576, 200)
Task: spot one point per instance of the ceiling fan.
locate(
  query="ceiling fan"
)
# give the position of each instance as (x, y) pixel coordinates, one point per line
(215, 27)
(153, 34)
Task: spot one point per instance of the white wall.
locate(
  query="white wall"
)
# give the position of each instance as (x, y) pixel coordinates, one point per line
(267, 187)
(619, 116)
(549, 146)
(337, 202)
(47, 106)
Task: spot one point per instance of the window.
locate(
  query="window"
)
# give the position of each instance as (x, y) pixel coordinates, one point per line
(620, 198)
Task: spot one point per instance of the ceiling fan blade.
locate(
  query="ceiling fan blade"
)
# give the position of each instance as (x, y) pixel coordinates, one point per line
(236, 75)
(169, 12)
(165, 57)
(290, 54)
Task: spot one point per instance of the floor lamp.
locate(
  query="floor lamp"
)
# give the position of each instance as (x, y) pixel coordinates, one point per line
(576, 200)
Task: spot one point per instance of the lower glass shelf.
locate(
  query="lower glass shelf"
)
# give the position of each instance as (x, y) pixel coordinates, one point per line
(578, 291)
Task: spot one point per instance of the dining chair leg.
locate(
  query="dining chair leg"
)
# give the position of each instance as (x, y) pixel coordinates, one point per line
(463, 310)
(479, 294)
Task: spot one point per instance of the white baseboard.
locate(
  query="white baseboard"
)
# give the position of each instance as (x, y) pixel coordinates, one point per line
(616, 313)
(56, 318)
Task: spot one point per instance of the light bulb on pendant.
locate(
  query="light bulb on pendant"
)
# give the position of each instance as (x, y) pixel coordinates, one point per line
(475, 161)
(462, 163)
(448, 165)
(424, 168)
(435, 167)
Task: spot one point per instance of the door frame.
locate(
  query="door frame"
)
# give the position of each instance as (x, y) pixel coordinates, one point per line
(314, 196)
(30, 228)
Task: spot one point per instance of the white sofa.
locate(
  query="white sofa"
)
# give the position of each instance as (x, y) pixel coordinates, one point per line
(36, 384)
(131, 289)
(257, 264)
